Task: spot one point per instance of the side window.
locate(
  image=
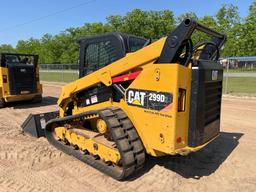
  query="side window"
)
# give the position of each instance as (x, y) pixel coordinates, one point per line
(98, 55)
(136, 43)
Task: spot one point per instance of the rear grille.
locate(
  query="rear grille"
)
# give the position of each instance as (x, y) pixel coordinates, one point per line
(22, 78)
(205, 104)
(213, 91)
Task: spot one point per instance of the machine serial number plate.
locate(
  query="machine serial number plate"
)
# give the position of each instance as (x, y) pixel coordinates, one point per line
(160, 101)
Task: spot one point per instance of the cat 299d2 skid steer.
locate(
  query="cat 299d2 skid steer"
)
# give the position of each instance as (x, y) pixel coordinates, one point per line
(135, 98)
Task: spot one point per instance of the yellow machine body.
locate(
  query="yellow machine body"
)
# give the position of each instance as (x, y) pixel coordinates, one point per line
(162, 133)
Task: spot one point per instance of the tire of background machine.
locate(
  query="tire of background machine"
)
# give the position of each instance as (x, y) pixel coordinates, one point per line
(2, 103)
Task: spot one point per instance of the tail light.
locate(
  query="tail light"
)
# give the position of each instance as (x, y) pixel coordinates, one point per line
(4, 78)
(182, 100)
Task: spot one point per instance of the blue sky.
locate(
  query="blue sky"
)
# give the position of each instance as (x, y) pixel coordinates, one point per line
(16, 15)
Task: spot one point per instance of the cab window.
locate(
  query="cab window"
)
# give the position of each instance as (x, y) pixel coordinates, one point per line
(136, 43)
(98, 55)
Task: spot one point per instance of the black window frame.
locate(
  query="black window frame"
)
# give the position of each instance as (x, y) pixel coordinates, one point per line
(120, 41)
(3, 55)
(115, 39)
(138, 38)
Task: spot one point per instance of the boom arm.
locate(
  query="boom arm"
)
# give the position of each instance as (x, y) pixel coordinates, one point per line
(175, 41)
(105, 74)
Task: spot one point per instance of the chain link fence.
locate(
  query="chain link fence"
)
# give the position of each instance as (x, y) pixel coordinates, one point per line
(59, 72)
(239, 77)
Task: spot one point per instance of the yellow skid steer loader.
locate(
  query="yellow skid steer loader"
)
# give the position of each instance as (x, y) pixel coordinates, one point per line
(19, 78)
(135, 98)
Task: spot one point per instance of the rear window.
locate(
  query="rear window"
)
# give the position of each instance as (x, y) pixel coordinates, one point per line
(17, 59)
(11, 59)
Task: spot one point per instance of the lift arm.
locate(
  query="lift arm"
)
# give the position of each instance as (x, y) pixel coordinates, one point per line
(176, 41)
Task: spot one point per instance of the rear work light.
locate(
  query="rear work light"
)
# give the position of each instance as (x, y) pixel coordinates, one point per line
(182, 100)
(4, 78)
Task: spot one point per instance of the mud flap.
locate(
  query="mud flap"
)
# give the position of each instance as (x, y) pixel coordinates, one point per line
(34, 125)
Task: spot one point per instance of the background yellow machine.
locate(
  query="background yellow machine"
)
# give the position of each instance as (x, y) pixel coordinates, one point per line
(135, 98)
(19, 78)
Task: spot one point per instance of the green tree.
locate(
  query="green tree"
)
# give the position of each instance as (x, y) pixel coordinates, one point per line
(227, 16)
(149, 24)
(252, 9)
(208, 21)
(228, 21)
(116, 23)
(31, 46)
(6, 48)
(186, 15)
(247, 33)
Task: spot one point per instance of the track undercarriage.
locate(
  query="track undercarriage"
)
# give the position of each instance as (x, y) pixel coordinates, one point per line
(105, 139)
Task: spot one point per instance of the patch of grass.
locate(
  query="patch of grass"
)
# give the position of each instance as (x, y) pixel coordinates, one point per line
(58, 76)
(242, 70)
(239, 85)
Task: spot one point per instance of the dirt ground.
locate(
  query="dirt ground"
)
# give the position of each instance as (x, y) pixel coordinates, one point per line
(32, 165)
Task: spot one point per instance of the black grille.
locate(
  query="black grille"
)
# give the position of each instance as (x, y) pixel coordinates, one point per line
(205, 104)
(22, 78)
(213, 91)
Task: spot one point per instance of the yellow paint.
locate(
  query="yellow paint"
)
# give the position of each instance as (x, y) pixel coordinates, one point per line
(104, 152)
(4, 86)
(136, 102)
(101, 126)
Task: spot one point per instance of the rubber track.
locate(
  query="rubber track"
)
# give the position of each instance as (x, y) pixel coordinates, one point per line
(133, 137)
(123, 133)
